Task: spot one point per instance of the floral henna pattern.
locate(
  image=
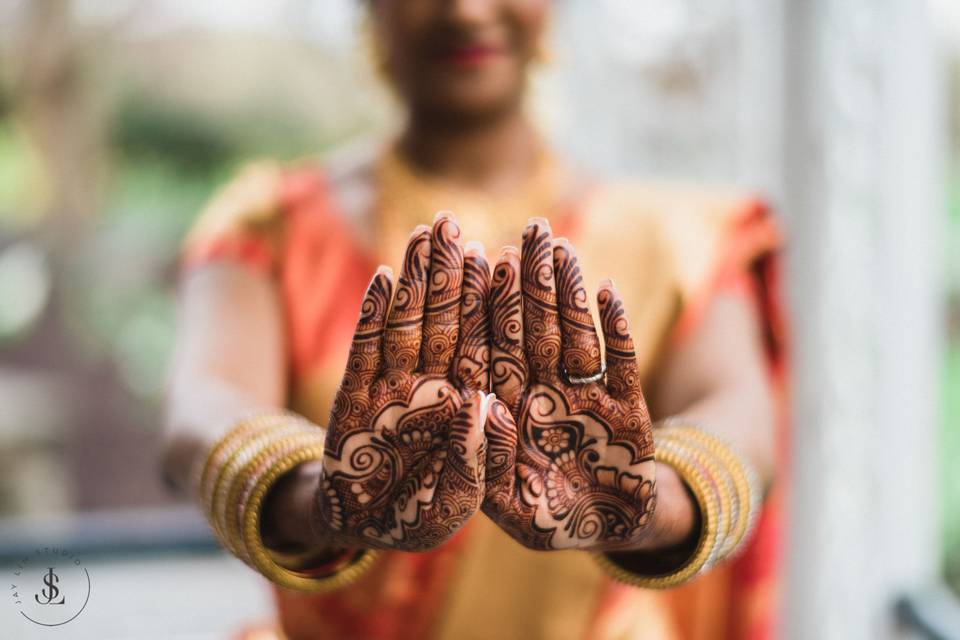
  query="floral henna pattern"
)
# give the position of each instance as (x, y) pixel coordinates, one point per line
(568, 465)
(553, 440)
(404, 461)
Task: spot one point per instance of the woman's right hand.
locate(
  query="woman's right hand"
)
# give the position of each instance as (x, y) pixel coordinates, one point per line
(403, 466)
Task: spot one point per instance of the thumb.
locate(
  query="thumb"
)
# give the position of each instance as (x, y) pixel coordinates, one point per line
(467, 441)
(501, 435)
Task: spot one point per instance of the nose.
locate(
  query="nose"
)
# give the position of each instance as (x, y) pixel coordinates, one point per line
(473, 12)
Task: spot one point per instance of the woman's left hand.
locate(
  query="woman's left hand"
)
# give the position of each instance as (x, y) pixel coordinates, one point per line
(569, 463)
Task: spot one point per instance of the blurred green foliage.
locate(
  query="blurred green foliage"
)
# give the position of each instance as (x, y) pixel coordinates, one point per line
(166, 160)
(152, 131)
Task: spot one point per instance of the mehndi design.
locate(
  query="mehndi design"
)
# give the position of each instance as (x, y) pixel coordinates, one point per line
(404, 459)
(568, 465)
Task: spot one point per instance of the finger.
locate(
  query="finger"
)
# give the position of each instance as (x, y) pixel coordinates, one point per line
(541, 322)
(580, 349)
(465, 451)
(401, 339)
(508, 366)
(622, 373)
(363, 363)
(441, 322)
(501, 434)
(472, 365)
(364, 360)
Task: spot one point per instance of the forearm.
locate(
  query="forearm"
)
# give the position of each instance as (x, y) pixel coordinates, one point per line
(738, 415)
(229, 361)
(204, 415)
(199, 411)
(743, 417)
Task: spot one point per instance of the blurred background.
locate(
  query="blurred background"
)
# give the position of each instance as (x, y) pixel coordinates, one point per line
(119, 119)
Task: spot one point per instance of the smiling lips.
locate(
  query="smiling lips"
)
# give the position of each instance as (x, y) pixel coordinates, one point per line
(468, 56)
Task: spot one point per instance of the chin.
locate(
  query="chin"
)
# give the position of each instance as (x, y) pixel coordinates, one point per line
(472, 101)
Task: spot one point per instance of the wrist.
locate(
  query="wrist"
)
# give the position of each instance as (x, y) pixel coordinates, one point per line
(288, 511)
(674, 518)
(726, 498)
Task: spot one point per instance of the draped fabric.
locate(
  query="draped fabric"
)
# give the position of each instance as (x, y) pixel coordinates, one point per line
(669, 248)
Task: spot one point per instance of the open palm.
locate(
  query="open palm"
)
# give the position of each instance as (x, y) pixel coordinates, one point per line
(404, 457)
(569, 464)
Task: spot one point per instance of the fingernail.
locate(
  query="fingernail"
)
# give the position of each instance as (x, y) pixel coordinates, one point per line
(443, 213)
(561, 242)
(419, 230)
(476, 246)
(607, 283)
(542, 222)
(509, 249)
(384, 270)
(485, 400)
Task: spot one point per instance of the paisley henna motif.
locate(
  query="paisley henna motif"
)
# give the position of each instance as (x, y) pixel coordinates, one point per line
(404, 461)
(568, 466)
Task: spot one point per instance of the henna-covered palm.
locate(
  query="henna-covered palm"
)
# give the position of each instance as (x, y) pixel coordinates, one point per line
(404, 461)
(568, 465)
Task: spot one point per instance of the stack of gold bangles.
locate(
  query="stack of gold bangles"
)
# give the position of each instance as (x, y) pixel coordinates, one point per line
(727, 494)
(233, 483)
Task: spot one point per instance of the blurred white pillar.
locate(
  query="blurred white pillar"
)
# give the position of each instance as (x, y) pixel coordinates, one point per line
(862, 184)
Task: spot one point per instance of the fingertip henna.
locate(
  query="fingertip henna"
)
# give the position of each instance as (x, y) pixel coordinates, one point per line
(364, 359)
(472, 363)
(622, 373)
(441, 324)
(580, 351)
(403, 334)
(508, 367)
(541, 324)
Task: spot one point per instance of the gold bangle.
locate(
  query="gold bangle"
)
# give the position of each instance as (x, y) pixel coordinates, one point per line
(240, 486)
(236, 476)
(225, 447)
(254, 445)
(260, 557)
(244, 445)
(716, 472)
(742, 475)
(703, 492)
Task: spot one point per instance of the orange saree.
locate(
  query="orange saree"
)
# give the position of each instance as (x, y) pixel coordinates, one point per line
(669, 248)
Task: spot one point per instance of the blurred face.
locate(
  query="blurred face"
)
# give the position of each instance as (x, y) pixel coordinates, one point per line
(459, 60)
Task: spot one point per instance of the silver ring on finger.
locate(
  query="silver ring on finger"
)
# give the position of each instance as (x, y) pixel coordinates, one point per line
(596, 377)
